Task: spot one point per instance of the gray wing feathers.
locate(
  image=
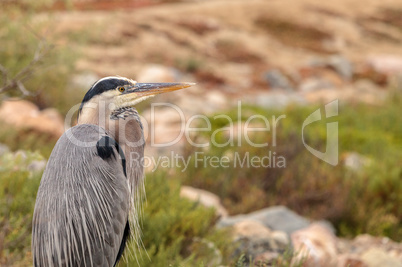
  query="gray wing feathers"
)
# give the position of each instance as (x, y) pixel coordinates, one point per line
(78, 196)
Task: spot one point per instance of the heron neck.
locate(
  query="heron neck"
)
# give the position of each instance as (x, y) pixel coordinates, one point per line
(118, 123)
(96, 111)
(125, 122)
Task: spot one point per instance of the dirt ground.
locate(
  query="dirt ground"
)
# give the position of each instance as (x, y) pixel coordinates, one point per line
(229, 45)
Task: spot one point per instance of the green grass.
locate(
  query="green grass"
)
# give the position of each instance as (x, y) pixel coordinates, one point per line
(21, 34)
(24, 139)
(365, 201)
(17, 200)
(176, 232)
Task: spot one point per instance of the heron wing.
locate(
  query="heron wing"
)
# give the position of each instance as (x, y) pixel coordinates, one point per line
(82, 204)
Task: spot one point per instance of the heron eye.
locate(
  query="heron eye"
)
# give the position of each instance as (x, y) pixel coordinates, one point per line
(121, 89)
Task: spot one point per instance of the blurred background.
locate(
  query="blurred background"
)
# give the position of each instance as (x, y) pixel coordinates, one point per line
(276, 57)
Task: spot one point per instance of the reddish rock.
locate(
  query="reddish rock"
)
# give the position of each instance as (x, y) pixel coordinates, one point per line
(23, 114)
(251, 229)
(386, 64)
(380, 68)
(350, 260)
(375, 257)
(317, 243)
(158, 73)
(206, 198)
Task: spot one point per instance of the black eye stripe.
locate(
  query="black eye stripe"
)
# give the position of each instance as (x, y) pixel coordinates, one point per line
(103, 86)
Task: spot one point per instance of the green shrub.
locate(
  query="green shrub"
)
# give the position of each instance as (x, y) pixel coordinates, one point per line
(177, 232)
(21, 34)
(17, 199)
(20, 139)
(363, 201)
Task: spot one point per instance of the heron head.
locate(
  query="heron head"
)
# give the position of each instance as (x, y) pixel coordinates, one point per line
(120, 92)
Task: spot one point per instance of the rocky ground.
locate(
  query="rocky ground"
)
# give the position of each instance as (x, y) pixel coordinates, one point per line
(268, 53)
(263, 235)
(266, 234)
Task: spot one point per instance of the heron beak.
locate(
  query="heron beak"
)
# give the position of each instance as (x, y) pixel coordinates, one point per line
(151, 89)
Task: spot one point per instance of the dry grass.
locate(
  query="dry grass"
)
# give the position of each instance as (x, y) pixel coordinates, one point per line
(199, 27)
(293, 34)
(235, 51)
(209, 78)
(391, 16)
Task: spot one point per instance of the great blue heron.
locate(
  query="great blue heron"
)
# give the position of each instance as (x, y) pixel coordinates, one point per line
(87, 202)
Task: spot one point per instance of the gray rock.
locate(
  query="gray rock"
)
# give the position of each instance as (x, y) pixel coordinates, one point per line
(342, 66)
(257, 242)
(276, 79)
(278, 218)
(253, 247)
(253, 238)
(251, 229)
(338, 63)
(21, 154)
(3, 149)
(356, 162)
(276, 100)
(37, 165)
